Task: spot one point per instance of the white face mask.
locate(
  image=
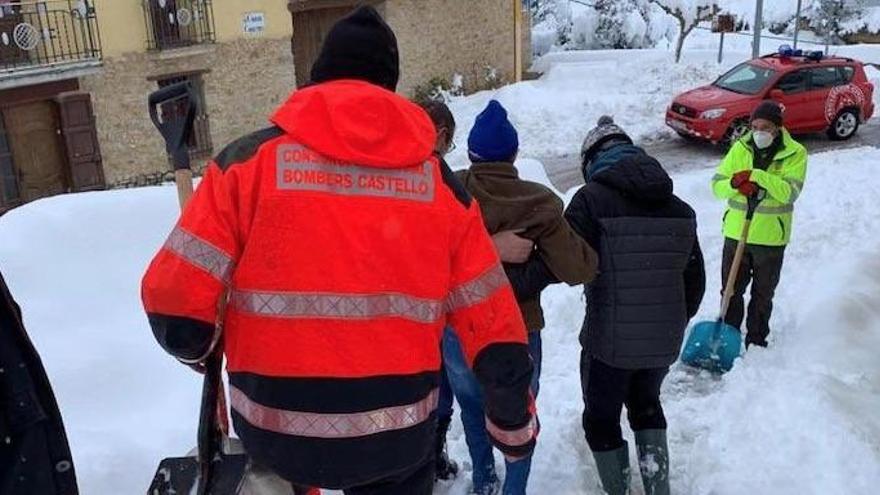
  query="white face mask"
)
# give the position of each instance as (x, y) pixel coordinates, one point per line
(763, 139)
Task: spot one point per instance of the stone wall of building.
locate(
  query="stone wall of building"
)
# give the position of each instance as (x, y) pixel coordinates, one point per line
(244, 82)
(441, 38)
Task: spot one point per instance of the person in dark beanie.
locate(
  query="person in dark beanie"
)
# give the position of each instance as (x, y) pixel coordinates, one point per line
(509, 203)
(766, 159)
(446, 469)
(362, 47)
(650, 284)
(345, 248)
(34, 453)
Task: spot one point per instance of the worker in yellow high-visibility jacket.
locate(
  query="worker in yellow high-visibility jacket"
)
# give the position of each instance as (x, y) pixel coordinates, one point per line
(766, 159)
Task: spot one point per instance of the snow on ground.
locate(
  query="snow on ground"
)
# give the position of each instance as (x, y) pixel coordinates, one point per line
(554, 113)
(799, 418)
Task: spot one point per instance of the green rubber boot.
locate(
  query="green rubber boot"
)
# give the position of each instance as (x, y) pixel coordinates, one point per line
(613, 467)
(653, 461)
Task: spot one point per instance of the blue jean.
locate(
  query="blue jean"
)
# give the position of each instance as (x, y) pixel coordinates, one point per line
(444, 402)
(470, 398)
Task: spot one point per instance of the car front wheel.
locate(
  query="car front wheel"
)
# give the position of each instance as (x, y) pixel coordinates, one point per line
(735, 132)
(844, 126)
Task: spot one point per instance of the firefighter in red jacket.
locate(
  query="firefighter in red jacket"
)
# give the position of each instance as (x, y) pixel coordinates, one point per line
(346, 247)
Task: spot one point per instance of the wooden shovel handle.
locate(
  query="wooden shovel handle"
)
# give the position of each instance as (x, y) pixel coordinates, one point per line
(184, 180)
(730, 286)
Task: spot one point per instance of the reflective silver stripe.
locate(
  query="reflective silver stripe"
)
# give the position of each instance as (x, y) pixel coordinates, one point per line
(719, 178)
(300, 169)
(200, 253)
(796, 187)
(477, 290)
(337, 306)
(768, 210)
(514, 438)
(317, 425)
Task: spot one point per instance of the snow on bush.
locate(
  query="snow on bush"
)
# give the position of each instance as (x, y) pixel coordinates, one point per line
(565, 25)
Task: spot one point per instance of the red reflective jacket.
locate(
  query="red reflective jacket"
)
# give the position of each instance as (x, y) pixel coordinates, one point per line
(346, 248)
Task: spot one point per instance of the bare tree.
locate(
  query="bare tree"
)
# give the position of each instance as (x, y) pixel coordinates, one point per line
(687, 19)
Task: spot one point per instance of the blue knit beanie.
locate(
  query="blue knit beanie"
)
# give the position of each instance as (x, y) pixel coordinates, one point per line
(493, 138)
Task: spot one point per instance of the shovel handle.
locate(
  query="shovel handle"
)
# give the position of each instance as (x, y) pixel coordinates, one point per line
(184, 180)
(753, 202)
(734, 270)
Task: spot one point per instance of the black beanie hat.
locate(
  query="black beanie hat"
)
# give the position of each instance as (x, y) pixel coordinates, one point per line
(769, 110)
(360, 46)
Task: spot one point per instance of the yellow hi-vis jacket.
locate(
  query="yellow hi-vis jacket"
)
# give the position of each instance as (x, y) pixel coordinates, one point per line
(783, 180)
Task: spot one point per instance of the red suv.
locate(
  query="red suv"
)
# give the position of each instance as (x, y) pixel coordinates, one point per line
(818, 93)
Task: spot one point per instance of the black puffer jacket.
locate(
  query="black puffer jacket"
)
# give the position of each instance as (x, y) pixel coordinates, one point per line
(34, 455)
(651, 276)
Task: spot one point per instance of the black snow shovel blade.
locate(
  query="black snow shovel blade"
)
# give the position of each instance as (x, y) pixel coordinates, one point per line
(214, 470)
(179, 475)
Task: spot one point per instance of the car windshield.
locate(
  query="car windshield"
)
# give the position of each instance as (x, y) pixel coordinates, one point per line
(746, 79)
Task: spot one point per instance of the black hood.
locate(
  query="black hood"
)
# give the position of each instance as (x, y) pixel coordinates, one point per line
(639, 177)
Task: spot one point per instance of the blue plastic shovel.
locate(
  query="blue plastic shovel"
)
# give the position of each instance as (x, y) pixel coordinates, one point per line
(715, 345)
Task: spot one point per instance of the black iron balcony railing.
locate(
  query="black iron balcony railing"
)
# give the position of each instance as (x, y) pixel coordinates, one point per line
(46, 33)
(178, 23)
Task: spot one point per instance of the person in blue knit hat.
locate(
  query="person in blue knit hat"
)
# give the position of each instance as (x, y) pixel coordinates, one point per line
(493, 138)
(509, 203)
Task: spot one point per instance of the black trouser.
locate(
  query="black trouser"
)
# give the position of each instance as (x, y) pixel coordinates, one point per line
(606, 389)
(418, 481)
(761, 266)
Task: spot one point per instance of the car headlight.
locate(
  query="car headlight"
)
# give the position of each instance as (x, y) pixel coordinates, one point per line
(713, 114)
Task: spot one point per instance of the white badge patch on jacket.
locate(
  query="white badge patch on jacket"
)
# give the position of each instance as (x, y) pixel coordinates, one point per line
(301, 169)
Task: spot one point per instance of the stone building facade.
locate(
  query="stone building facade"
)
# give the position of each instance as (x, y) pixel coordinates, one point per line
(476, 40)
(244, 81)
(242, 72)
(75, 75)
(481, 41)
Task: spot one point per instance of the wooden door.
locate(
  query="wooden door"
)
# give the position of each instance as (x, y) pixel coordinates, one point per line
(80, 138)
(309, 30)
(9, 195)
(33, 134)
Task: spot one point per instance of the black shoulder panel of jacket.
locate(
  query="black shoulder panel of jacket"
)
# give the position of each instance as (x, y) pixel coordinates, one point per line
(181, 337)
(245, 147)
(452, 182)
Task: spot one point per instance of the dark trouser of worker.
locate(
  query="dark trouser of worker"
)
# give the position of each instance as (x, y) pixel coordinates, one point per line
(417, 481)
(446, 468)
(761, 266)
(606, 390)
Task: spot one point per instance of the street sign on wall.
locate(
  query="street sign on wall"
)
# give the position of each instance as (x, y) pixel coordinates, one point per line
(254, 23)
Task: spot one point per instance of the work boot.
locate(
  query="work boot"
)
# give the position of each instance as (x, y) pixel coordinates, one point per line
(613, 467)
(493, 488)
(653, 461)
(446, 468)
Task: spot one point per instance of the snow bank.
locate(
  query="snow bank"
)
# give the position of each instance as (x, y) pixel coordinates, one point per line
(74, 264)
(554, 113)
(797, 419)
